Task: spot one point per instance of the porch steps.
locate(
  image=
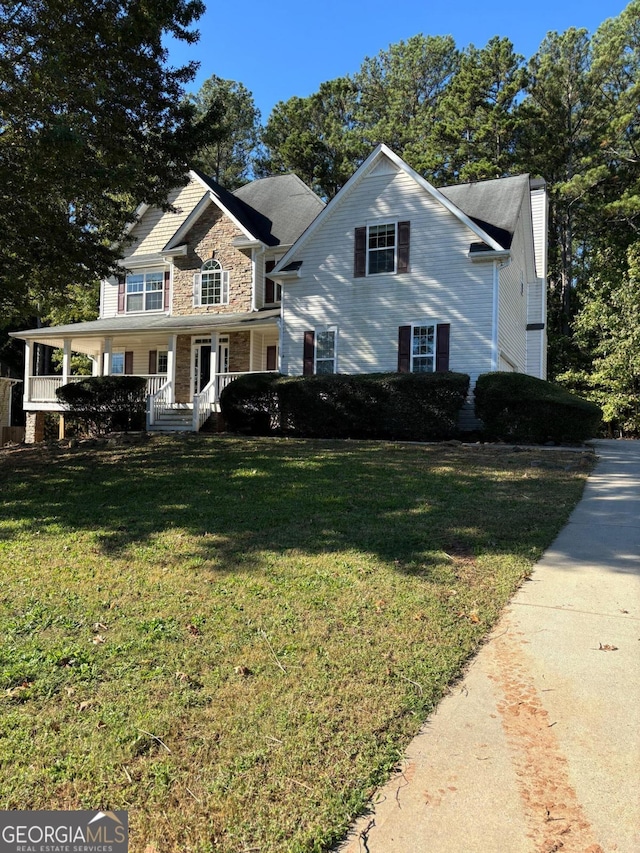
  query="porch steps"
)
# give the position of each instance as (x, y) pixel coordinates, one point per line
(174, 420)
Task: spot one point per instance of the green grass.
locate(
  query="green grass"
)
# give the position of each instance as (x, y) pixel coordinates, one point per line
(234, 640)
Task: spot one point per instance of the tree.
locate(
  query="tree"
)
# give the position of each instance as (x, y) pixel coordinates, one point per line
(559, 131)
(92, 122)
(606, 325)
(399, 91)
(315, 137)
(608, 328)
(476, 119)
(228, 154)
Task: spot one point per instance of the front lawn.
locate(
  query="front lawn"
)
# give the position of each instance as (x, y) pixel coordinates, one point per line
(234, 640)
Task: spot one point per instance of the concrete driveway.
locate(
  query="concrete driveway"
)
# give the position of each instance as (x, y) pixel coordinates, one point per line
(537, 749)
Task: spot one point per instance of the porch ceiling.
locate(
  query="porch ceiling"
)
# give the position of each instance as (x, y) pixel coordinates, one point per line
(88, 337)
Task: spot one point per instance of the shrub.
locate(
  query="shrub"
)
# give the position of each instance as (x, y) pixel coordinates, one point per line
(517, 407)
(249, 404)
(418, 407)
(101, 404)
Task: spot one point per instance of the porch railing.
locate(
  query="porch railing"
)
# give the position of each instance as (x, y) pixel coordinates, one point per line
(42, 389)
(159, 402)
(203, 404)
(224, 379)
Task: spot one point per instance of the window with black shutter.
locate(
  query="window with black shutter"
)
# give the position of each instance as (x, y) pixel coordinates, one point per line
(381, 248)
(424, 348)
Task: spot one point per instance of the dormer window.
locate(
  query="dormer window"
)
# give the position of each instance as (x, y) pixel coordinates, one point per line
(211, 284)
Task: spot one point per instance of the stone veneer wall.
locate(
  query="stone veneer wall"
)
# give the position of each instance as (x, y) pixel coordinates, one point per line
(239, 352)
(213, 233)
(183, 369)
(34, 427)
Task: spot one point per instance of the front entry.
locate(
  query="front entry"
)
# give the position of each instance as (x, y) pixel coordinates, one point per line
(202, 361)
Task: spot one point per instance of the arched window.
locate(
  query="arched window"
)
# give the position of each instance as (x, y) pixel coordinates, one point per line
(212, 284)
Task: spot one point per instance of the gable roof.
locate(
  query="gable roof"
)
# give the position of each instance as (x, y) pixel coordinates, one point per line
(285, 205)
(493, 205)
(382, 150)
(273, 211)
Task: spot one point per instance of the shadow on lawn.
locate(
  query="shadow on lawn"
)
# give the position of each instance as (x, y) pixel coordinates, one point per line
(233, 499)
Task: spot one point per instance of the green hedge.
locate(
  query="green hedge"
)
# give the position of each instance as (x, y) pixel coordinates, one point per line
(101, 404)
(517, 407)
(418, 406)
(249, 404)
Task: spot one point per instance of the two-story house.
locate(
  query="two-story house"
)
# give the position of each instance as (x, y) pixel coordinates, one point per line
(392, 274)
(194, 305)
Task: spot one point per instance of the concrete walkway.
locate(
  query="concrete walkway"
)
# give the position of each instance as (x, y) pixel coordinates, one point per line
(537, 750)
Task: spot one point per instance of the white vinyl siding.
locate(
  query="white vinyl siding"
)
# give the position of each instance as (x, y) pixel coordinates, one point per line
(443, 283)
(109, 298)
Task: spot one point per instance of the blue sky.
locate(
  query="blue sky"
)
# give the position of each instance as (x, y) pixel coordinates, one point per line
(284, 48)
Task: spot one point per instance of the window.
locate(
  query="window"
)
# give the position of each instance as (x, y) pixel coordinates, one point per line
(381, 248)
(163, 361)
(319, 353)
(212, 284)
(145, 291)
(272, 290)
(326, 351)
(117, 363)
(423, 349)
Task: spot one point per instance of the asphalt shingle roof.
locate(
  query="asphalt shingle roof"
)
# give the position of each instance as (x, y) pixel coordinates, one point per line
(493, 205)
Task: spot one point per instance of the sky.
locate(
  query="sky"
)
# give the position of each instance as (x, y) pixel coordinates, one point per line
(284, 48)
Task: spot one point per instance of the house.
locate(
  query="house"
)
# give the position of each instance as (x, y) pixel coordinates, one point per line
(396, 275)
(392, 274)
(194, 306)
(8, 432)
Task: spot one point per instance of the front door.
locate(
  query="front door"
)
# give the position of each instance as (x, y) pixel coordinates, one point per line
(202, 361)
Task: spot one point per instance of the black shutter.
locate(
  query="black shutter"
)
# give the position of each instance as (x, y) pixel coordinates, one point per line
(153, 361)
(272, 361)
(404, 233)
(128, 362)
(360, 253)
(443, 333)
(404, 349)
(121, 293)
(308, 353)
(167, 283)
(269, 283)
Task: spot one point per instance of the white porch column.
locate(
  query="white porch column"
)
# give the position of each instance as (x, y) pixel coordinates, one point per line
(66, 360)
(213, 371)
(106, 357)
(251, 345)
(28, 357)
(171, 365)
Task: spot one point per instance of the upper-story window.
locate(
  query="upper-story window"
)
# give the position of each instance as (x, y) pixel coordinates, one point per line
(211, 284)
(272, 289)
(144, 291)
(381, 248)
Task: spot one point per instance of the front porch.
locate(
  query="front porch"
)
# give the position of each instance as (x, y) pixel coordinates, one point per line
(41, 397)
(185, 370)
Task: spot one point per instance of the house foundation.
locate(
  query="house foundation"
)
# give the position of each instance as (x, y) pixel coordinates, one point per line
(34, 427)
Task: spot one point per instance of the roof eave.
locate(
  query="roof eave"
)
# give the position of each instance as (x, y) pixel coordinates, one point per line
(488, 255)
